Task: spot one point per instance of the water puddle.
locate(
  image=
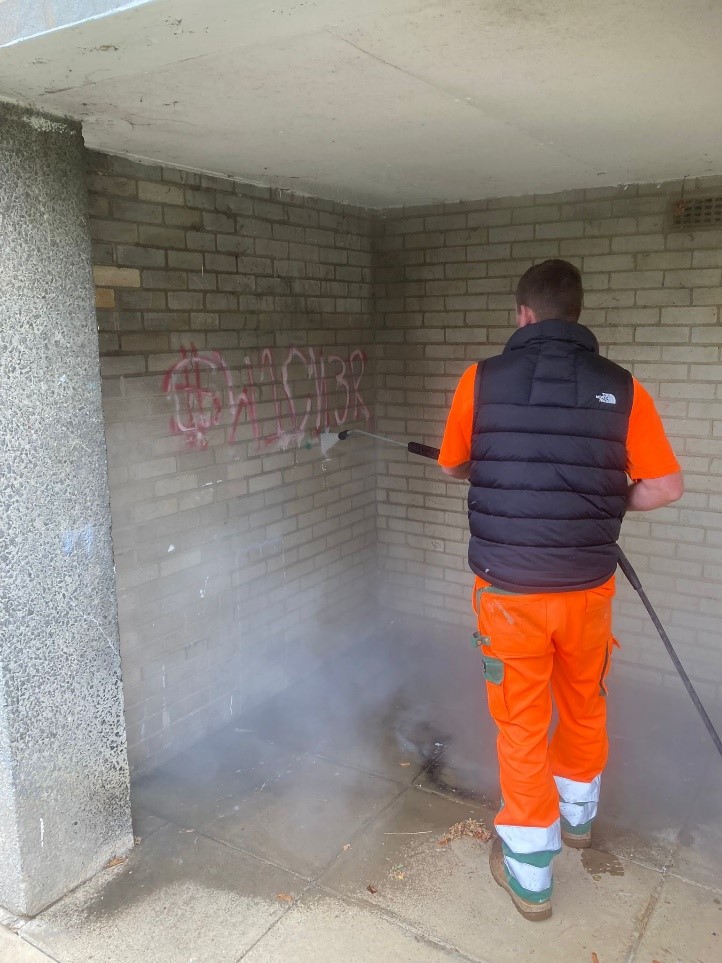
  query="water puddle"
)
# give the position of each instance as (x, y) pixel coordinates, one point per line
(597, 863)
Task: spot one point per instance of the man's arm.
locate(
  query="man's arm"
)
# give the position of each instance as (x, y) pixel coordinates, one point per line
(461, 472)
(650, 459)
(455, 453)
(649, 493)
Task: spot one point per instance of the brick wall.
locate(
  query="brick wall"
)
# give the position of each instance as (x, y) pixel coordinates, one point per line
(444, 278)
(236, 322)
(236, 547)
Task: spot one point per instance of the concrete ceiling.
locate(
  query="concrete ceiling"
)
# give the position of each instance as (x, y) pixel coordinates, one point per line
(389, 102)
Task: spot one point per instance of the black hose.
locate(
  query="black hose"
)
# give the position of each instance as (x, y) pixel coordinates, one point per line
(633, 579)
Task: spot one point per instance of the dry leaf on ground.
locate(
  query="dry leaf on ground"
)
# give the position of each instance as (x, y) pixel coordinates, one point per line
(116, 861)
(595, 958)
(286, 897)
(473, 828)
(372, 889)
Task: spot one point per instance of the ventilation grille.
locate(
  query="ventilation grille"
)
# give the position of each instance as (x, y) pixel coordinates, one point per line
(697, 212)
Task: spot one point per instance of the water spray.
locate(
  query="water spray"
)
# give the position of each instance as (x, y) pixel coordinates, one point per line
(328, 440)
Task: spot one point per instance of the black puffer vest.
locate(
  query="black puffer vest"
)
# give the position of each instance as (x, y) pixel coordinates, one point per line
(548, 482)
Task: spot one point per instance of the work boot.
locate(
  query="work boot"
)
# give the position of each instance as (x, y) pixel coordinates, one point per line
(534, 912)
(577, 837)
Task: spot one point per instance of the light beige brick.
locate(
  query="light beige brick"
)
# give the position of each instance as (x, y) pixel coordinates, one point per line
(610, 226)
(707, 259)
(707, 334)
(115, 277)
(581, 246)
(638, 242)
(538, 214)
(690, 315)
(636, 279)
(701, 277)
(104, 298)
(490, 218)
(608, 262)
(518, 232)
(535, 249)
(113, 366)
(663, 297)
(669, 260)
(707, 296)
(488, 252)
(160, 193)
(560, 229)
(696, 355)
(666, 335)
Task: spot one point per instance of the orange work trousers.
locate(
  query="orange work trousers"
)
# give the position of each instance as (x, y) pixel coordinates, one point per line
(536, 646)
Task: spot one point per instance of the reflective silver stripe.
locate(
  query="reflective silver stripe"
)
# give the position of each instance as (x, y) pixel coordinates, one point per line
(578, 799)
(534, 878)
(576, 814)
(578, 792)
(531, 839)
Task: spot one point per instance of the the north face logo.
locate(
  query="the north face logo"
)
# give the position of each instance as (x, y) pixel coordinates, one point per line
(607, 399)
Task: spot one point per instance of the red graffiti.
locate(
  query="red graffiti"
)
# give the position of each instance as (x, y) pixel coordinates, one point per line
(200, 384)
(197, 383)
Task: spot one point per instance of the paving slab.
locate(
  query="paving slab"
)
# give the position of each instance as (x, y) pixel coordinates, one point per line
(145, 823)
(304, 816)
(448, 893)
(205, 781)
(178, 897)
(324, 928)
(699, 855)
(684, 927)
(654, 851)
(13, 949)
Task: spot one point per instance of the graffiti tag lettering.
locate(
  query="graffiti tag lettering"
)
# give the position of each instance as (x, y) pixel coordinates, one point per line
(200, 385)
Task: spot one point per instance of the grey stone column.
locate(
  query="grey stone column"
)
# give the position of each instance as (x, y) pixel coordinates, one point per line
(64, 794)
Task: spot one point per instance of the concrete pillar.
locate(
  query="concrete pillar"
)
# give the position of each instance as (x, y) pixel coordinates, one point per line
(64, 792)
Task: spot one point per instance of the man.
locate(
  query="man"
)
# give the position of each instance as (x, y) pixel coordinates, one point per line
(547, 434)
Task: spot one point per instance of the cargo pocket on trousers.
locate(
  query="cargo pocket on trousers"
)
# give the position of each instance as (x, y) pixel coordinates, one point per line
(495, 694)
(607, 665)
(493, 669)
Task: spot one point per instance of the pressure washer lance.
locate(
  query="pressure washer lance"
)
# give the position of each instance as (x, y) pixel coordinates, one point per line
(427, 451)
(328, 440)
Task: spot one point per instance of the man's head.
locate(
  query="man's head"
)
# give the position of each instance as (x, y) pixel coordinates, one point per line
(549, 290)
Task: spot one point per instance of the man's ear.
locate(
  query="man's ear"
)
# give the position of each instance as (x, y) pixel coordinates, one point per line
(524, 316)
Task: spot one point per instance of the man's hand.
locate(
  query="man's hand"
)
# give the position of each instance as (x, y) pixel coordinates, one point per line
(461, 472)
(652, 493)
